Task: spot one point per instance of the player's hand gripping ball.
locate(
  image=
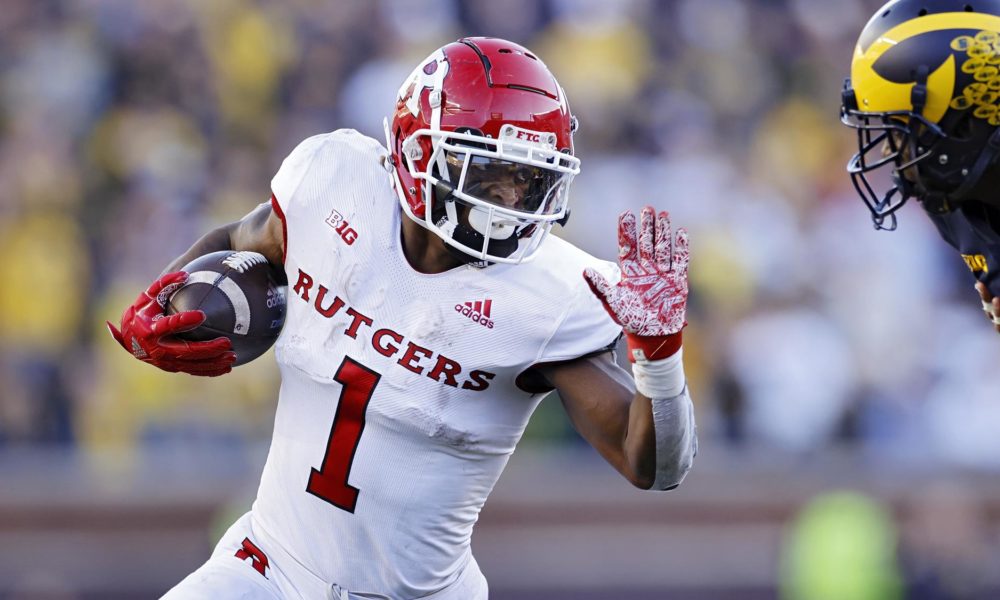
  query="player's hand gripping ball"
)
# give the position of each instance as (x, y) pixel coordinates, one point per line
(651, 299)
(243, 299)
(224, 309)
(149, 334)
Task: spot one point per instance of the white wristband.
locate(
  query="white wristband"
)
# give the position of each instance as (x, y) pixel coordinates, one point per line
(662, 378)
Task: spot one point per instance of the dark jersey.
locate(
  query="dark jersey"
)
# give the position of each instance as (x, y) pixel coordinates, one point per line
(974, 230)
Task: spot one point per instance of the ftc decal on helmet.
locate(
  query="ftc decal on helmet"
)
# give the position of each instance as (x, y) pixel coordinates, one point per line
(924, 97)
(481, 144)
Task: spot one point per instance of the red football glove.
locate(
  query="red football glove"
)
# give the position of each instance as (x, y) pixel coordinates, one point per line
(650, 300)
(148, 329)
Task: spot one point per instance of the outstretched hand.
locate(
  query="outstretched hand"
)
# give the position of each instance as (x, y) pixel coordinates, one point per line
(650, 301)
(146, 333)
(991, 304)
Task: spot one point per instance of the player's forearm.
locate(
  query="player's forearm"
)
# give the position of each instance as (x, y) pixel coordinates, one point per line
(260, 231)
(653, 450)
(660, 446)
(639, 444)
(213, 241)
(664, 420)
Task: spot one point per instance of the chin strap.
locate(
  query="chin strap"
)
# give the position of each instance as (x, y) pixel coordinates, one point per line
(986, 158)
(937, 202)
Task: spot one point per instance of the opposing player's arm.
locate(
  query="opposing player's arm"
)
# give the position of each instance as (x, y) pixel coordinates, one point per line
(601, 401)
(259, 231)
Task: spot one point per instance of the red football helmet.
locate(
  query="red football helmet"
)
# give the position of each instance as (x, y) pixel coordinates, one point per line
(482, 148)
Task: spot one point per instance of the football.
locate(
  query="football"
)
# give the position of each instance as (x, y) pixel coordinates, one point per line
(243, 297)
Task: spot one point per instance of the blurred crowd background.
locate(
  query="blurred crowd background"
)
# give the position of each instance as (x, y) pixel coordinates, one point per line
(127, 129)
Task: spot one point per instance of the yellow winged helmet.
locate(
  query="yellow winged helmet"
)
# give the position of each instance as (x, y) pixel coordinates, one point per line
(924, 97)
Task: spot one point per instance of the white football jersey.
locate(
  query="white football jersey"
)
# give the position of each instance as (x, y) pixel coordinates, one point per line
(399, 402)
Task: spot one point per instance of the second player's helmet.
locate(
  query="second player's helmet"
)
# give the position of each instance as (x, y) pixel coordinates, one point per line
(924, 96)
(481, 145)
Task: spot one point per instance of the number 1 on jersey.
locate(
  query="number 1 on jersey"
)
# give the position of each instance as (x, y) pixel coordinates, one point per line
(329, 482)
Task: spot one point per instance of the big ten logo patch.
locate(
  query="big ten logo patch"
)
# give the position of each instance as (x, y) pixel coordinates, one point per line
(342, 227)
(976, 263)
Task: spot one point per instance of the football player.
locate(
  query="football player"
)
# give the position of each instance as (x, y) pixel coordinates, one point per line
(429, 312)
(924, 97)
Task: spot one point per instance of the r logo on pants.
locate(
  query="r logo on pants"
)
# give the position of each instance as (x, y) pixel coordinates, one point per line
(251, 551)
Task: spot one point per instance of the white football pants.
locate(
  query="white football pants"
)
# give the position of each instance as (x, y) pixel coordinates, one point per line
(240, 569)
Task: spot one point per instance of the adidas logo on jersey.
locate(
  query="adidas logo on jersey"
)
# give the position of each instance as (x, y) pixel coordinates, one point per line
(478, 312)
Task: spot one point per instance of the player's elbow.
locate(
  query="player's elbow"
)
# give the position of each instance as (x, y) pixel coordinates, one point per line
(667, 471)
(672, 477)
(662, 475)
(643, 481)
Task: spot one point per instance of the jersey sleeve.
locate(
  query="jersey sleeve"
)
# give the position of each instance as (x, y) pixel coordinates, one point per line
(971, 232)
(585, 326)
(293, 170)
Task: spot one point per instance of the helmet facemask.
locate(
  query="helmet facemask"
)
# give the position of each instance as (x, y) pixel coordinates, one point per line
(902, 140)
(493, 200)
